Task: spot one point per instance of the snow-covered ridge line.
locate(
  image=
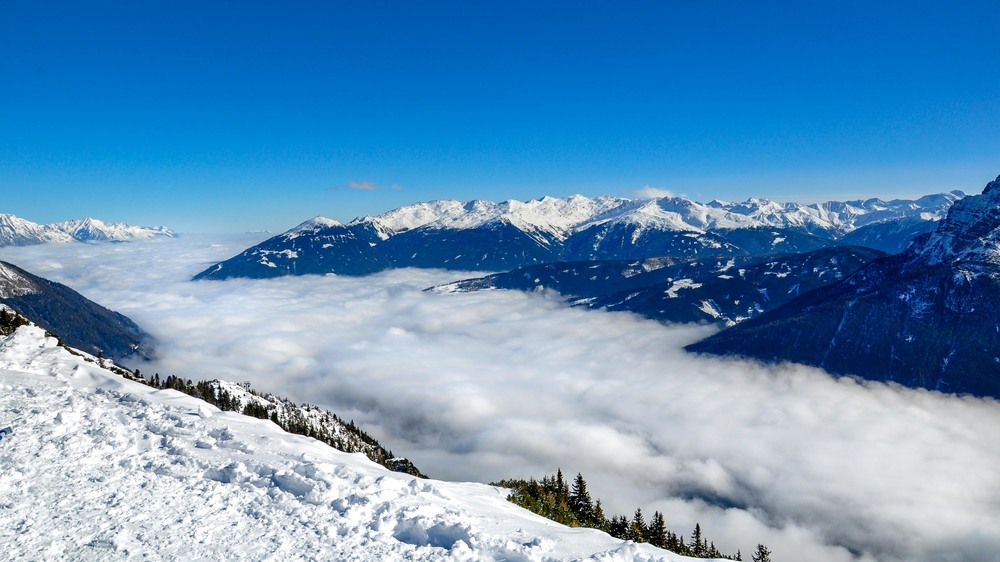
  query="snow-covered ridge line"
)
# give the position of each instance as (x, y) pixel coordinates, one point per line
(190, 481)
(15, 231)
(560, 217)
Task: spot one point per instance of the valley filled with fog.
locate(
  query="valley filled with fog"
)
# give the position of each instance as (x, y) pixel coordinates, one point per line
(491, 385)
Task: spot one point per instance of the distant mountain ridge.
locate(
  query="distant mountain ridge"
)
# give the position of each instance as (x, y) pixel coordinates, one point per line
(482, 235)
(15, 231)
(929, 317)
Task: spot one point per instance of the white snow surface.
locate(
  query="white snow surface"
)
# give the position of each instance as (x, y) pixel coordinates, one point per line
(102, 468)
(561, 217)
(15, 231)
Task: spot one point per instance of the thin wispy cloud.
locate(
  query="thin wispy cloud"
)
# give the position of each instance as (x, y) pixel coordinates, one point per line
(364, 185)
(503, 384)
(650, 192)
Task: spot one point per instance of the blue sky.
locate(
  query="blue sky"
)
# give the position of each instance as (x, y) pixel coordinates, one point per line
(211, 116)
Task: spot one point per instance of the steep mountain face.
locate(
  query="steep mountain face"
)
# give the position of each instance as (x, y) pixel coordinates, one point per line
(481, 235)
(15, 231)
(925, 318)
(80, 323)
(724, 290)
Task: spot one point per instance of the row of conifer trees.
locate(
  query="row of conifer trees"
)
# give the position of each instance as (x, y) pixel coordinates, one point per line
(571, 504)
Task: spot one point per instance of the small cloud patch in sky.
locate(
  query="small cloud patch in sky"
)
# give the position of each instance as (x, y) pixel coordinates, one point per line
(650, 192)
(364, 185)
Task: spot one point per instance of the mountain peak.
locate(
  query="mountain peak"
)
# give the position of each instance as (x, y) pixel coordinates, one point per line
(969, 236)
(992, 186)
(320, 222)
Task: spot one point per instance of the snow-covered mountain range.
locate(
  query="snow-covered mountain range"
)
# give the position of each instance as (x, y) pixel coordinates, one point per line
(103, 468)
(927, 318)
(482, 235)
(15, 231)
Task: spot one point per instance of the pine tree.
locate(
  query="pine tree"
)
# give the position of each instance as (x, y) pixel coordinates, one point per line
(674, 544)
(657, 534)
(600, 522)
(618, 527)
(697, 546)
(562, 490)
(637, 527)
(762, 554)
(580, 503)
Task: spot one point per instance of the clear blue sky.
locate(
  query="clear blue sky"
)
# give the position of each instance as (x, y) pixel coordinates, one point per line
(212, 116)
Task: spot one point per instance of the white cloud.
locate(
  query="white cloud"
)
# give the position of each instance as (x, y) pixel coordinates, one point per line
(650, 192)
(496, 384)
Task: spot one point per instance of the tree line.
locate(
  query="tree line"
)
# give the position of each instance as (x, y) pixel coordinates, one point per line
(305, 419)
(572, 505)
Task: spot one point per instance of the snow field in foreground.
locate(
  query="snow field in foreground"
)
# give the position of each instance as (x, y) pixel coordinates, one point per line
(101, 468)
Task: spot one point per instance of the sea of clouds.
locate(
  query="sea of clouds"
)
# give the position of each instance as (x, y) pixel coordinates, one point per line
(491, 385)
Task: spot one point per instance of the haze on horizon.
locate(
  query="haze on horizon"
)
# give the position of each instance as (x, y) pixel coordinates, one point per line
(202, 117)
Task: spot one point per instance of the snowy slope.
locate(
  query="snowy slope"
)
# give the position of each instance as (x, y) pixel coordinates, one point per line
(101, 468)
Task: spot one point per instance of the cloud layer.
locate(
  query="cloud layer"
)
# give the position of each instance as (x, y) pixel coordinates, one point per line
(491, 385)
